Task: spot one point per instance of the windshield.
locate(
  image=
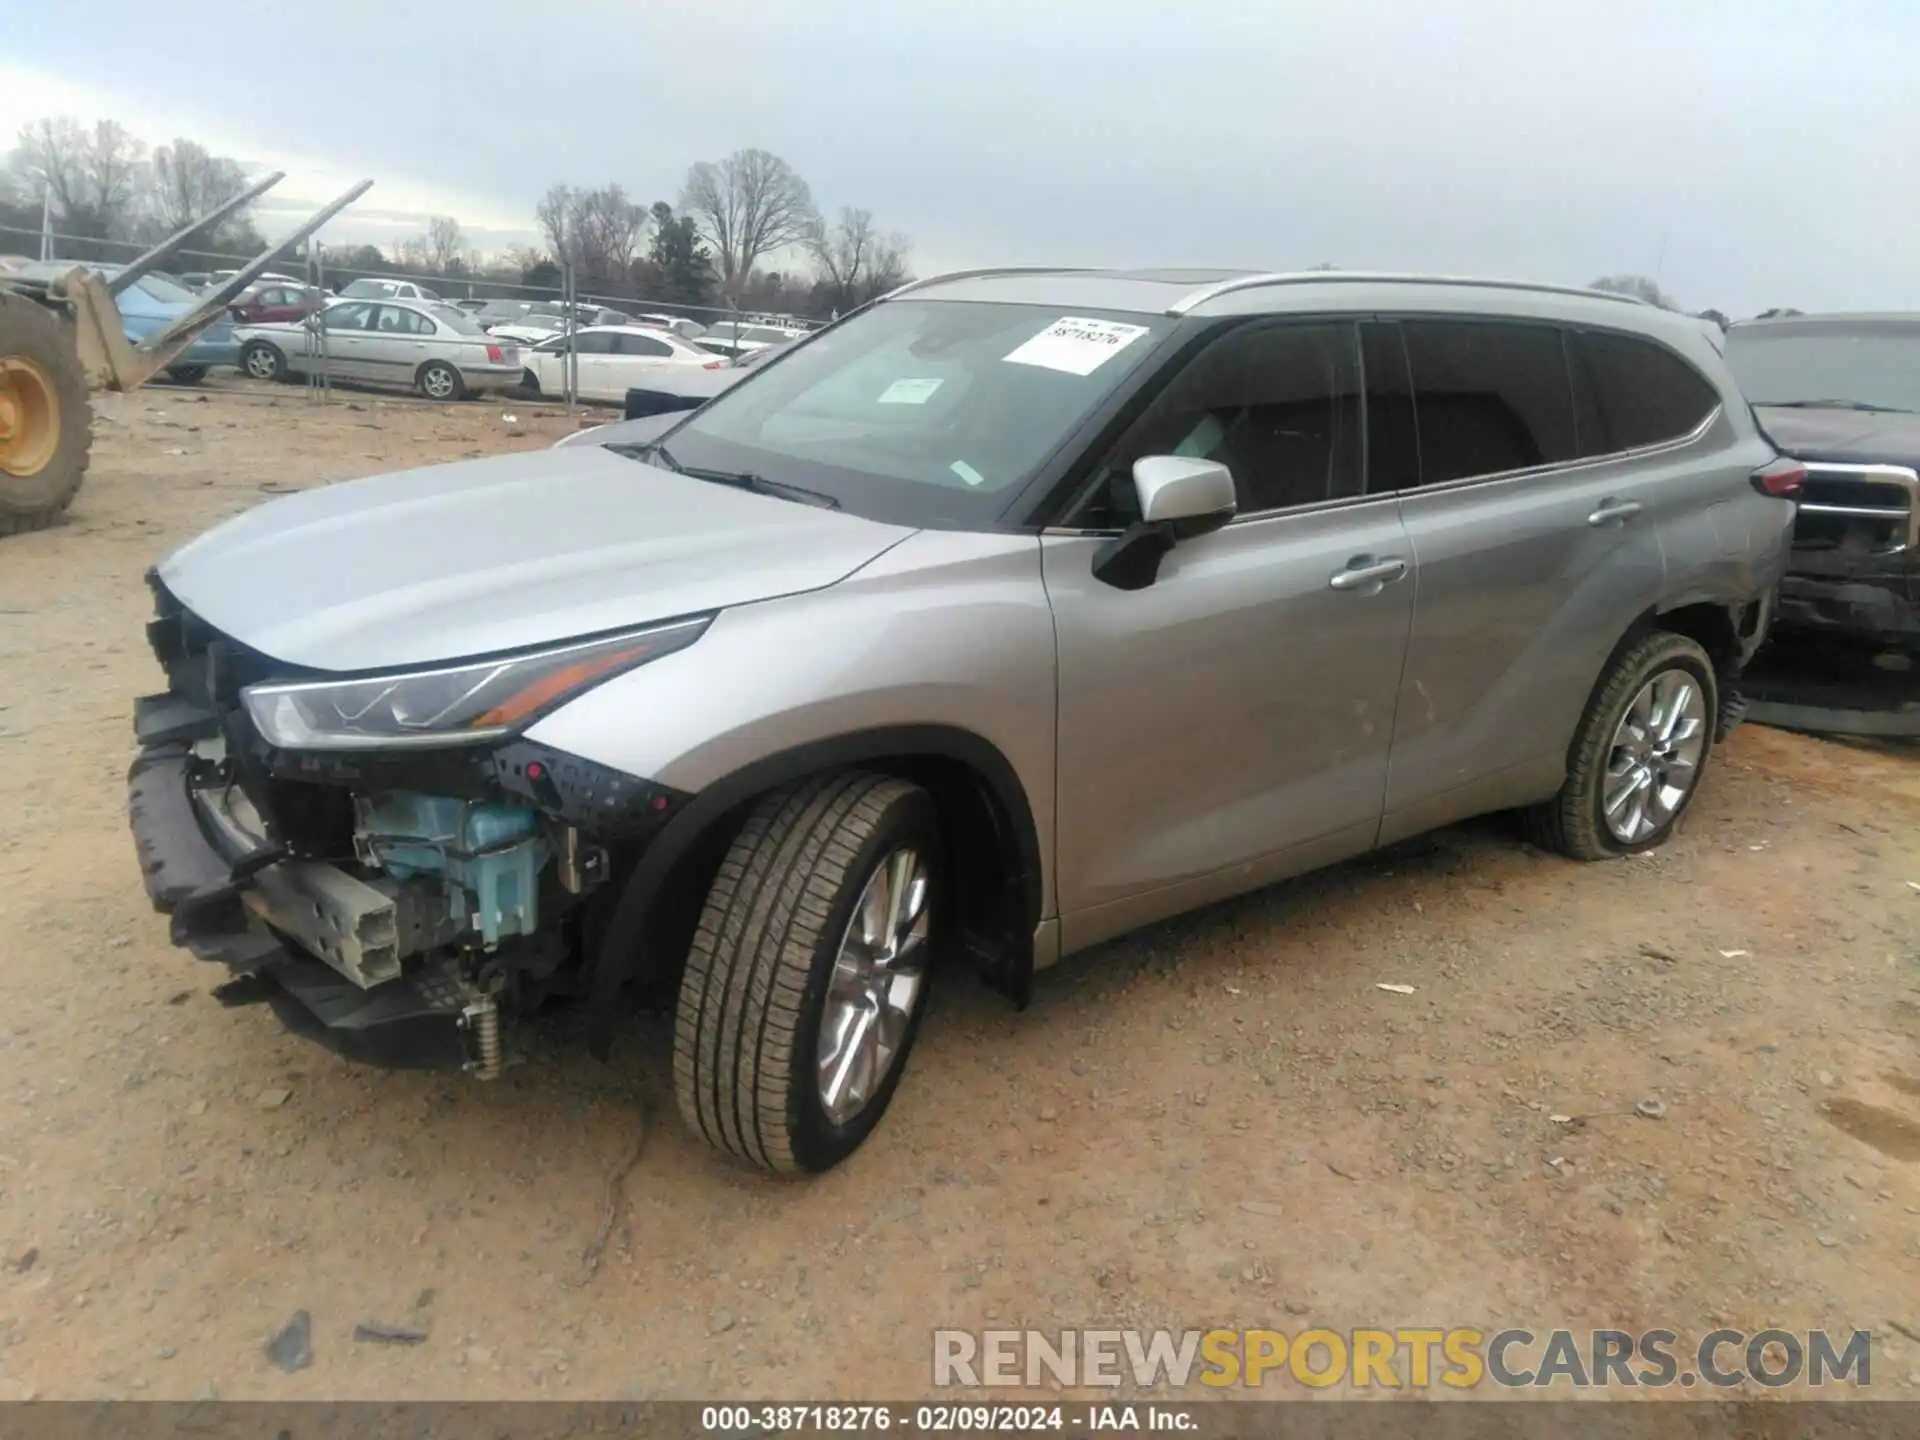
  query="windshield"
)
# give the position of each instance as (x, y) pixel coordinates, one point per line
(167, 291)
(1864, 364)
(920, 412)
(455, 319)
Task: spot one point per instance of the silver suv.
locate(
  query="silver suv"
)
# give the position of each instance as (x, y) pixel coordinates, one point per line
(1010, 613)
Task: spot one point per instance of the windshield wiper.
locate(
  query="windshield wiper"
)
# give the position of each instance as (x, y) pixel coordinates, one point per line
(738, 479)
(1833, 405)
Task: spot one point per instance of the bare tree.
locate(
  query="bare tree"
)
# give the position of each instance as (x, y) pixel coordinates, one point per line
(855, 261)
(188, 182)
(50, 157)
(555, 215)
(446, 244)
(610, 228)
(600, 231)
(747, 206)
(1638, 286)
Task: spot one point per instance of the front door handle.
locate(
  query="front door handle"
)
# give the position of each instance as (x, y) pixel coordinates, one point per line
(1614, 512)
(1366, 574)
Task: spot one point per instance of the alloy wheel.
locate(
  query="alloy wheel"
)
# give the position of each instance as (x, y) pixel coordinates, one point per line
(876, 984)
(1654, 759)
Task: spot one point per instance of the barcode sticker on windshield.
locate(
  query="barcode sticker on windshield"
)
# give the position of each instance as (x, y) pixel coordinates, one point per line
(1076, 345)
(909, 392)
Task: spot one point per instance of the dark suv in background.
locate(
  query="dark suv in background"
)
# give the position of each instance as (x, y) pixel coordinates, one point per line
(1842, 394)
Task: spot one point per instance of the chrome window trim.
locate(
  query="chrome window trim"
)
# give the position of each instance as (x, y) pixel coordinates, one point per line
(1583, 462)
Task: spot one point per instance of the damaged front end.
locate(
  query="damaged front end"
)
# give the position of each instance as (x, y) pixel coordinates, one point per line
(384, 858)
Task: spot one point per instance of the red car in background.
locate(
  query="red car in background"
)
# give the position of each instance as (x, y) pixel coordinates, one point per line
(274, 302)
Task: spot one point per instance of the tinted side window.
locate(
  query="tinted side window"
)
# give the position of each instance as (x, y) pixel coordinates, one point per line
(644, 345)
(594, 343)
(1488, 397)
(1633, 392)
(1278, 405)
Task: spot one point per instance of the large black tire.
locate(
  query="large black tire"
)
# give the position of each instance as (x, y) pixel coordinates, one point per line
(752, 1000)
(1573, 822)
(187, 374)
(29, 331)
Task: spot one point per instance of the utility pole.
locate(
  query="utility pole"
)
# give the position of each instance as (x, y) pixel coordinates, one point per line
(46, 220)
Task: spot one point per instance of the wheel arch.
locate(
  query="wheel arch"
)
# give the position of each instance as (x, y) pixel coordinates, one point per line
(987, 817)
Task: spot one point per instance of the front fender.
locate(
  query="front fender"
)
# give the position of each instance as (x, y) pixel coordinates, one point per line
(946, 637)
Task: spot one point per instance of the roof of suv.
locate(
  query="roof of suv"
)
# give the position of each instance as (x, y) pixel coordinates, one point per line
(1224, 292)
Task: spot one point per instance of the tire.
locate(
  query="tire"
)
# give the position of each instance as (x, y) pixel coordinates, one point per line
(262, 361)
(50, 420)
(530, 383)
(755, 997)
(1575, 822)
(440, 381)
(187, 374)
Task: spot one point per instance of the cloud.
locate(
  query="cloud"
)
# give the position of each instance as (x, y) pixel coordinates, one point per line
(1753, 154)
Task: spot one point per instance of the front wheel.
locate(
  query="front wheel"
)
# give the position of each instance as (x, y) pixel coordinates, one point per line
(1638, 755)
(187, 374)
(803, 987)
(440, 381)
(262, 361)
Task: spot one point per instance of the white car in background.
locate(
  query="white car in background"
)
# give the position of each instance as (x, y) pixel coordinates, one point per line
(374, 289)
(612, 359)
(420, 344)
(743, 337)
(674, 324)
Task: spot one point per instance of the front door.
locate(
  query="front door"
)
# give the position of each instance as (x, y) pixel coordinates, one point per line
(347, 344)
(1230, 724)
(1535, 557)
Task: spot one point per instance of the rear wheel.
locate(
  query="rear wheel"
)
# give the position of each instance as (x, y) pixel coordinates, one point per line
(530, 383)
(263, 361)
(188, 374)
(1638, 756)
(440, 381)
(45, 420)
(803, 987)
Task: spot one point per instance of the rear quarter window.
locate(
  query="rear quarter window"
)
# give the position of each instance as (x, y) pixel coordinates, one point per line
(1490, 397)
(1632, 393)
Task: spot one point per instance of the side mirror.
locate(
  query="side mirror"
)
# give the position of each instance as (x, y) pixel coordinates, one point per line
(1179, 499)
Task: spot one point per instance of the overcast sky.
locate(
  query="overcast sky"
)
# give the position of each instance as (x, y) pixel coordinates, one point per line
(1750, 154)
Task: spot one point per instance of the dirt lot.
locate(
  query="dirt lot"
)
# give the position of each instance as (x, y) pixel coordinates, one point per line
(1221, 1121)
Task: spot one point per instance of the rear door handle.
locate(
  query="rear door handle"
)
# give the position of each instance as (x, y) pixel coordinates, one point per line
(1367, 574)
(1614, 512)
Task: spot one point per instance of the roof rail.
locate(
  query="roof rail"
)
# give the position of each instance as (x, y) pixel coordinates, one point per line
(985, 271)
(1186, 304)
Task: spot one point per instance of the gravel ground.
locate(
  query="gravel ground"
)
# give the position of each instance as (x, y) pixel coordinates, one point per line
(1221, 1121)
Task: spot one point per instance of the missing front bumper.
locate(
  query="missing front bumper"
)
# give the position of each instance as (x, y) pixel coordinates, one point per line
(221, 891)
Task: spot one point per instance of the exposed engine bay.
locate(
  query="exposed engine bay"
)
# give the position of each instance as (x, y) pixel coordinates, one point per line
(418, 891)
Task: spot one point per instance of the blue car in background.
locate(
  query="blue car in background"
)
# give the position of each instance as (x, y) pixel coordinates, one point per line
(147, 307)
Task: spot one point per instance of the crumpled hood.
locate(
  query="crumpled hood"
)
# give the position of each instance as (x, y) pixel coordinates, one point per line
(519, 550)
(1842, 436)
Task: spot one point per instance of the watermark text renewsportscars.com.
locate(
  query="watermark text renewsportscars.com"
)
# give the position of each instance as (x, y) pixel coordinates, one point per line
(1414, 1358)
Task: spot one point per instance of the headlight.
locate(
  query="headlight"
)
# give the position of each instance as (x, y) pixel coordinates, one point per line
(460, 705)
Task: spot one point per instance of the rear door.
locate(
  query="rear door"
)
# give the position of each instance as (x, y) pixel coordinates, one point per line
(1533, 559)
(1229, 724)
